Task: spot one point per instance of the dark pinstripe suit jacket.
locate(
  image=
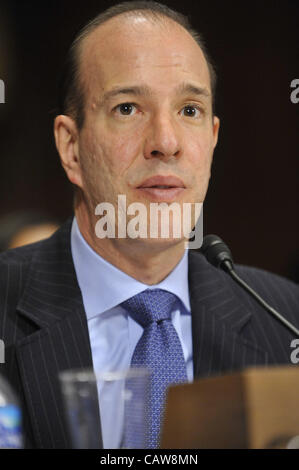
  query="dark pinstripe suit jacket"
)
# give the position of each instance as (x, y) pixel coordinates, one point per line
(44, 327)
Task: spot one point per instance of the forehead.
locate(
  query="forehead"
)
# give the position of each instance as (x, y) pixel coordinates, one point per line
(135, 48)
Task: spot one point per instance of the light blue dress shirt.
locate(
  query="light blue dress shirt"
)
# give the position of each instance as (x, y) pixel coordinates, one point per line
(113, 333)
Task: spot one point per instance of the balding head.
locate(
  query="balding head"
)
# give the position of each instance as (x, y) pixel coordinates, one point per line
(117, 51)
(72, 97)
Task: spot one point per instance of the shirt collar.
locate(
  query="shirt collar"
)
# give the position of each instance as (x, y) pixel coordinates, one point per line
(104, 286)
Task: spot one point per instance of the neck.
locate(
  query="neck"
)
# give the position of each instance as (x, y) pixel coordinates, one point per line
(148, 261)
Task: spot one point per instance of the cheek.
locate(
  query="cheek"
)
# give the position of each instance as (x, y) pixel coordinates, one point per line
(119, 153)
(107, 160)
(200, 151)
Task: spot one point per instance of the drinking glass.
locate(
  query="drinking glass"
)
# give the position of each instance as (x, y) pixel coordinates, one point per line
(119, 397)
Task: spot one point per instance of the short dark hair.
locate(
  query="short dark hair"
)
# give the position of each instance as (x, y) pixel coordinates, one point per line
(71, 94)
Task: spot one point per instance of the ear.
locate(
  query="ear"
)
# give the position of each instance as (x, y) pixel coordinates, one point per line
(216, 126)
(66, 139)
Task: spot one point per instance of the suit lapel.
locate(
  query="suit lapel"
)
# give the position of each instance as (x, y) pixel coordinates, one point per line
(52, 301)
(219, 320)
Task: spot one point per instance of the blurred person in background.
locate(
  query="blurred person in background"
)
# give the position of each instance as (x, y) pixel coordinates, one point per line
(24, 227)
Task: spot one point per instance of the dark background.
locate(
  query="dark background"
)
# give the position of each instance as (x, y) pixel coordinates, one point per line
(252, 201)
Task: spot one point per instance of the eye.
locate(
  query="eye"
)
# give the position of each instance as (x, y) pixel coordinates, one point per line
(125, 109)
(191, 110)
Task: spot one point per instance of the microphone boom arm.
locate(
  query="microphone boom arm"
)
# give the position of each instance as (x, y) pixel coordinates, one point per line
(229, 268)
(219, 255)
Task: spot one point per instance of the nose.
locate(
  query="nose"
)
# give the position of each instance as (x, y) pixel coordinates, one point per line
(162, 139)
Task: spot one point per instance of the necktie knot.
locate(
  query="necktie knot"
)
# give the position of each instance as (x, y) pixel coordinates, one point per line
(150, 305)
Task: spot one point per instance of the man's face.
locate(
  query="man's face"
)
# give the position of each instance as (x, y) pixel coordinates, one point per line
(159, 124)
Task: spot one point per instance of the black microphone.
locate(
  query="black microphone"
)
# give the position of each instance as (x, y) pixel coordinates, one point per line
(219, 255)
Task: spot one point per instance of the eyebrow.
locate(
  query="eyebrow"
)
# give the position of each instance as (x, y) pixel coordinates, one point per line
(143, 90)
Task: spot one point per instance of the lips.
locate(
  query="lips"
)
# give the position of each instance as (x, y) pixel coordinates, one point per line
(162, 182)
(162, 188)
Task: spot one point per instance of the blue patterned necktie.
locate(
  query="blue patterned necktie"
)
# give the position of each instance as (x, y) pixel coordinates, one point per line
(159, 349)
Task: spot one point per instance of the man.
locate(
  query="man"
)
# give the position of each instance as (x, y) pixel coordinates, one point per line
(137, 121)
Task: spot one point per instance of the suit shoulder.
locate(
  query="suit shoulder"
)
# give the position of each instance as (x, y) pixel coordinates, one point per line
(18, 256)
(14, 266)
(265, 279)
(281, 293)
(255, 276)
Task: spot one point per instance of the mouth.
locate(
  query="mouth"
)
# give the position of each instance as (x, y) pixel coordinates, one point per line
(166, 188)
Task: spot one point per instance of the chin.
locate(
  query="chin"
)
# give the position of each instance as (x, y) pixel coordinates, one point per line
(157, 244)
